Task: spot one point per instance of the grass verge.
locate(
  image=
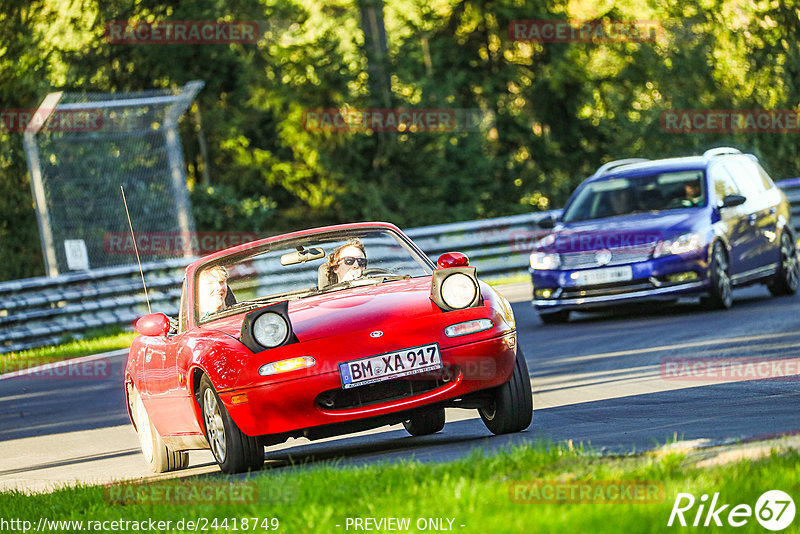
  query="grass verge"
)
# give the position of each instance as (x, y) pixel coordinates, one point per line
(507, 279)
(478, 494)
(93, 342)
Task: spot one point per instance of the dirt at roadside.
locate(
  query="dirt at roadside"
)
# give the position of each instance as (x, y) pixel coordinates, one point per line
(705, 453)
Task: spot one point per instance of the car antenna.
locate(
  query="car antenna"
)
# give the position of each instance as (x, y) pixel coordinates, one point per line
(136, 249)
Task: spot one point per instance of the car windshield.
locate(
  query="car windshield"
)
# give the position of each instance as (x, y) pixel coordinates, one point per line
(302, 267)
(652, 192)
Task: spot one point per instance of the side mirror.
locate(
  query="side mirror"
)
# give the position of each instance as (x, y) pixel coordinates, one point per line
(452, 259)
(154, 324)
(547, 223)
(730, 201)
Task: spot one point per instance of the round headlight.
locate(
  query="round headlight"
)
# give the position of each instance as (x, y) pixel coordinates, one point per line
(270, 329)
(458, 290)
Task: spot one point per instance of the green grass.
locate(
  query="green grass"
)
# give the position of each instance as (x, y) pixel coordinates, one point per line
(507, 279)
(93, 342)
(474, 492)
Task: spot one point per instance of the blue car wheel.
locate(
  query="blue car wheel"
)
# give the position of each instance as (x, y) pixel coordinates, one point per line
(719, 296)
(786, 278)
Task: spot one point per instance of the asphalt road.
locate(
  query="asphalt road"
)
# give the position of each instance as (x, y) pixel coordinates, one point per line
(602, 380)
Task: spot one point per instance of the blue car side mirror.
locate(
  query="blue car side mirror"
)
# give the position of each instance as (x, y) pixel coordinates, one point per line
(730, 201)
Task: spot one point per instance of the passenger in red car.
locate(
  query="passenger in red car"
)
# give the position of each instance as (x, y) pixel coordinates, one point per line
(213, 290)
(347, 262)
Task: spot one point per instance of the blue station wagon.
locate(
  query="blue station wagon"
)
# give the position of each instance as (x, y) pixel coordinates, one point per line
(639, 230)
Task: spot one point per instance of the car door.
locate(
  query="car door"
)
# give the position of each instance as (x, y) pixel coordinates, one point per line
(768, 206)
(154, 383)
(762, 213)
(169, 394)
(733, 224)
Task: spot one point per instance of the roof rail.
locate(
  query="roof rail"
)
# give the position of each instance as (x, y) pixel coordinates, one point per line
(721, 151)
(606, 167)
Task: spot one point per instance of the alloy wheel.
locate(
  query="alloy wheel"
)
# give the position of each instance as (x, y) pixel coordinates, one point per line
(723, 280)
(214, 424)
(789, 262)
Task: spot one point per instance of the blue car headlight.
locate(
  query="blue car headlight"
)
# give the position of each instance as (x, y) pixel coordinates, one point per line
(683, 244)
(542, 260)
(545, 261)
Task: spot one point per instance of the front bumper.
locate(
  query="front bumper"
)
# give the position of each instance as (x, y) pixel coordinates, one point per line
(665, 278)
(294, 407)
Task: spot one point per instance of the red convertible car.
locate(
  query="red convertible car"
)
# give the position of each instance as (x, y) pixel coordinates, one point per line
(319, 333)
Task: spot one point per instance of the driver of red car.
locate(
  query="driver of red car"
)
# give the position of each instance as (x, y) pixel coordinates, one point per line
(347, 262)
(213, 290)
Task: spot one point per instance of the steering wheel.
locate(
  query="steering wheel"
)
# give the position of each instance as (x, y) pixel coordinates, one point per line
(375, 270)
(680, 203)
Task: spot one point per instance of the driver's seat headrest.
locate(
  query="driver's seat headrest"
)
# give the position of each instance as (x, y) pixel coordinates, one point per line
(323, 280)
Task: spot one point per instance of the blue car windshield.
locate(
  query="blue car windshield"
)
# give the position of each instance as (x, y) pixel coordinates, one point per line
(614, 197)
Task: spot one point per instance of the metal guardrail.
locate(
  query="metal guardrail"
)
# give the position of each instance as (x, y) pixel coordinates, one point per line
(40, 311)
(791, 189)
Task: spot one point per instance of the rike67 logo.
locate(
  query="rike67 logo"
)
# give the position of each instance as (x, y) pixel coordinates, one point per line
(774, 510)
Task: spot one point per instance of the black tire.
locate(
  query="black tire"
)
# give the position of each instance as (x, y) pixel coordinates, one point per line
(512, 407)
(425, 423)
(720, 294)
(786, 278)
(159, 457)
(234, 451)
(558, 317)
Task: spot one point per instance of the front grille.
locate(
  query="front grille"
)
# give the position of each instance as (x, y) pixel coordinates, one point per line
(617, 288)
(400, 388)
(587, 259)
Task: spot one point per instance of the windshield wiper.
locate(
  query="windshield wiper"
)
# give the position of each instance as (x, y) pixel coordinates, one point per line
(249, 304)
(390, 277)
(283, 296)
(347, 284)
(260, 301)
(360, 282)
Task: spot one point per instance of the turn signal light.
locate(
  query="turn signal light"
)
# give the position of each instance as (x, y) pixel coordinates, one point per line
(284, 366)
(239, 399)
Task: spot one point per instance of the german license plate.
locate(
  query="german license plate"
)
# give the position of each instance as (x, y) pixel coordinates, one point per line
(604, 276)
(390, 365)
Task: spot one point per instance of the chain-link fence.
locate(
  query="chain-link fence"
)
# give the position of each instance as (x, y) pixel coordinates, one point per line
(81, 148)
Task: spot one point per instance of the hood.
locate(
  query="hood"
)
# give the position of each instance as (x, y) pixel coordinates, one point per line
(639, 229)
(349, 310)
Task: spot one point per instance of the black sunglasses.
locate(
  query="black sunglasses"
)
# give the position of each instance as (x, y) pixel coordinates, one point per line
(362, 262)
